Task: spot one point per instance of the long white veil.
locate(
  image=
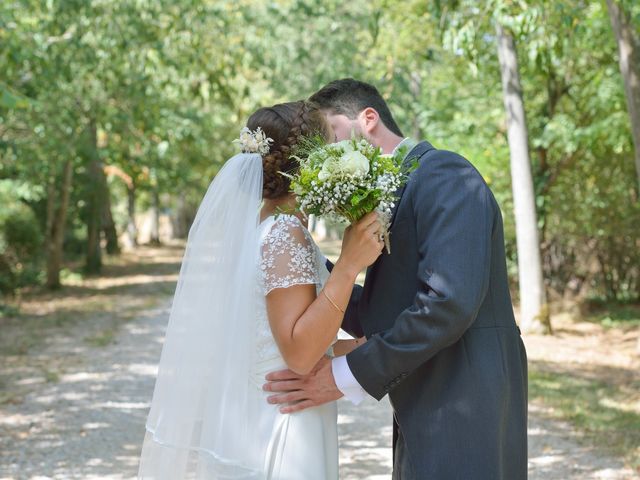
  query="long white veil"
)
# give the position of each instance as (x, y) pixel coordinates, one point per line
(199, 425)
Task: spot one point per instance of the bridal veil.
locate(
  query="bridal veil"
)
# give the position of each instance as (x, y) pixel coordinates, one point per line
(199, 424)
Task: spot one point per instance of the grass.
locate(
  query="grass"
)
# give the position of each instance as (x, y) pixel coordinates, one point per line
(614, 314)
(7, 311)
(10, 397)
(608, 416)
(130, 284)
(25, 331)
(51, 376)
(103, 338)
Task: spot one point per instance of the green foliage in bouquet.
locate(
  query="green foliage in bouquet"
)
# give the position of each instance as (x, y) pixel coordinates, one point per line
(347, 179)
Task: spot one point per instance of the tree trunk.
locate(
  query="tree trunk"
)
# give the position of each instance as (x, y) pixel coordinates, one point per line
(534, 312)
(183, 218)
(95, 202)
(56, 221)
(155, 217)
(629, 51)
(53, 273)
(132, 230)
(109, 225)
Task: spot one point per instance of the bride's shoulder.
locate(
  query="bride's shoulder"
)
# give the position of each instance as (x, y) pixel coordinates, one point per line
(285, 220)
(286, 226)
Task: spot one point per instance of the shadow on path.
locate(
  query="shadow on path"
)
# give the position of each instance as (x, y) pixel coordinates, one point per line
(90, 423)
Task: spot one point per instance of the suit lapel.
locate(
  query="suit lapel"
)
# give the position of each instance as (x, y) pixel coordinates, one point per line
(416, 153)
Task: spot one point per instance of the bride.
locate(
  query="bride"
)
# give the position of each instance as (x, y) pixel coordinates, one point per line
(253, 296)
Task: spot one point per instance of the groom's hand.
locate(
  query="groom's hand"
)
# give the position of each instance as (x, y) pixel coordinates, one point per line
(300, 392)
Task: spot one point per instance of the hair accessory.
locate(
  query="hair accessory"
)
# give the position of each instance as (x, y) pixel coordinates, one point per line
(254, 142)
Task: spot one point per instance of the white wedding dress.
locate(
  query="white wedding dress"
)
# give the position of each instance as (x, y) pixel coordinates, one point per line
(302, 445)
(209, 418)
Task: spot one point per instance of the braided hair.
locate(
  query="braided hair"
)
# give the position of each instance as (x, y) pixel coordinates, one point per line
(285, 123)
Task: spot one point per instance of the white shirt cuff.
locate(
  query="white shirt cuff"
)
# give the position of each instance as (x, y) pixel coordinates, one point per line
(346, 382)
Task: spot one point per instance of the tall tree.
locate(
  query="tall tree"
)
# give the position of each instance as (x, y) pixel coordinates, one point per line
(533, 307)
(56, 223)
(629, 59)
(95, 201)
(466, 27)
(168, 95)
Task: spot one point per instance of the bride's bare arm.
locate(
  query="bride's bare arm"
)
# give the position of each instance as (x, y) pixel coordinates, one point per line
(342, 347)
(304, 325)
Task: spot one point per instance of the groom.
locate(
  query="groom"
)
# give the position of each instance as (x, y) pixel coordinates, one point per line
(442, 341)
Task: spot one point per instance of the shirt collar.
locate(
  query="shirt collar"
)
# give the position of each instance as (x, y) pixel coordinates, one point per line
(407, 142)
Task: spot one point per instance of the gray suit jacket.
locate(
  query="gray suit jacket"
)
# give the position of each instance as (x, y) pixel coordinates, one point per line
(442, 339)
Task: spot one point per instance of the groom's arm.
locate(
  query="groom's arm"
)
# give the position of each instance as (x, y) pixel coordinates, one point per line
(351, 323)
(454, 218)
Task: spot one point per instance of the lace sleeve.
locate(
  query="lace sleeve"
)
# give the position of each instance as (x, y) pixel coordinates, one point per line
(288, 256)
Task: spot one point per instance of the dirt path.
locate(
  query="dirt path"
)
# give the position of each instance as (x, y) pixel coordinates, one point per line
(88, 423)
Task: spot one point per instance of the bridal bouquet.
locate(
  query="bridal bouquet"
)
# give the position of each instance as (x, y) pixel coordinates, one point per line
(347, 180)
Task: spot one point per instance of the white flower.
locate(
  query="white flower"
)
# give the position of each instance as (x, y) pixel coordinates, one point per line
(354, 163)
(254, 142)
(345, 145)
(325, 173)
(298, 190)
(351, 163)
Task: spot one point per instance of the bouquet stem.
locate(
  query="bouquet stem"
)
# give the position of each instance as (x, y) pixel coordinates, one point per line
(387, 241)
(385, 221)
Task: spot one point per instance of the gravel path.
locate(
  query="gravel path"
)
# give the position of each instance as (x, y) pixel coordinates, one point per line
(89, 424)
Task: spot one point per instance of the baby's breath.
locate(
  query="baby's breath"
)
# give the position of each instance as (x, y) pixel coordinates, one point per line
(346, 180)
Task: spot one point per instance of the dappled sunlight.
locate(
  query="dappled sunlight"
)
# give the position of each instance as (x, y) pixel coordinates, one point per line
(81, 377)
(555, 447)
(117, 119)
(89, 422)
(365, 439)
(626, 406)
(106, 284)
(74, 406)
(608, 380)
(144, 369)
(585, 345)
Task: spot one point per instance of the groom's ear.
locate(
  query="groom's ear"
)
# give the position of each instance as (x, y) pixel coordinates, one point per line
(369, 120)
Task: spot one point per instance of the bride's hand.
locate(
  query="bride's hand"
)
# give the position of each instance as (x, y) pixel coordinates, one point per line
(362, 243)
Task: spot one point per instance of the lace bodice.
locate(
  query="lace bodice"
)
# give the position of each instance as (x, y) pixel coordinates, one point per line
(289, 257)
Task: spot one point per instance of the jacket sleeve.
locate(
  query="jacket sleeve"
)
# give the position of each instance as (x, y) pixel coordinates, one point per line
(351, 322)
(454, 217)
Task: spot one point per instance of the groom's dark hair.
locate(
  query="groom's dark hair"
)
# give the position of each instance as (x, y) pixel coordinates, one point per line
(349, 97)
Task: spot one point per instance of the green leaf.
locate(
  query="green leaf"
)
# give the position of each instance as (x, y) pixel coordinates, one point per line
(12, 100)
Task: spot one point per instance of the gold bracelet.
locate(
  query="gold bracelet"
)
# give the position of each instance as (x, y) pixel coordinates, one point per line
(332, 302)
